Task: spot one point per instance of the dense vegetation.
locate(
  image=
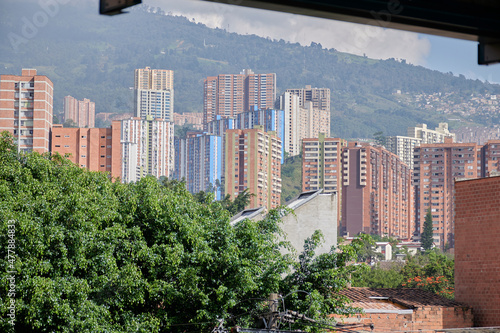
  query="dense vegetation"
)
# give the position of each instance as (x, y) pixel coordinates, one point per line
(430, 270)
(92, 56)
(291, 178)
(92, 255)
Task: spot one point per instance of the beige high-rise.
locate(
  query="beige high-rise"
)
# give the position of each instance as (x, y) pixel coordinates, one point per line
(154, 93)
(307, 114)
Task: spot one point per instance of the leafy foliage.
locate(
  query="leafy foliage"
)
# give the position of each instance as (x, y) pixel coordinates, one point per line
(94, 255)
(314, 285)
(291, 178)
(426, 238)
(378, 277)
(433, 271)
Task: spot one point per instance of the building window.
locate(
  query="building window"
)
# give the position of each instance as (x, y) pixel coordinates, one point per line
(66, 146)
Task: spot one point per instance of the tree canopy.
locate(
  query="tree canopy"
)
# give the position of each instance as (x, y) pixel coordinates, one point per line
(426, 238)
(94, 255)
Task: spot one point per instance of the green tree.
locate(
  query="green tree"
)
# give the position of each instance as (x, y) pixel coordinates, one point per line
(316, 280)
(70, 123)
(380, 139)
(94, 255)
(433, 271)
(366, 252)
(239, 203)
(426, 237)
(378, 277)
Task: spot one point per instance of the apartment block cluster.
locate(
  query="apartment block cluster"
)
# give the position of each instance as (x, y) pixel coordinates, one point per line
(243, 143)
(387, 190)
(239, 145)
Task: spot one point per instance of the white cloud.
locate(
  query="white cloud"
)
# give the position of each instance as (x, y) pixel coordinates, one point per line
(375, 42)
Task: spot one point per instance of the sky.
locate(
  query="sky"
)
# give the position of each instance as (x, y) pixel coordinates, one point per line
(439, 53)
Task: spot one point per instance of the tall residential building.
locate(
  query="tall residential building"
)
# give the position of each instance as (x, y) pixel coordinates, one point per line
(227, 95)
(436, 167)
(376, 192)
(147, 148)
(430, 136)
(253, 159)
(154, 93)
(307, 113)
(322, 166)
(80, 112)
(96, 149)
(403, 146)
(271, 121)
(26, 109)
(489, 164)
(198, 159)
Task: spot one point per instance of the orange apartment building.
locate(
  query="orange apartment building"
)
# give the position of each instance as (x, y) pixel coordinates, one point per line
(377, 195)
(253, 161)
(436, 166)
(81, 112)
(322, 166)
(227, 95)
(490, 158)
(26, 109)
(96, 149)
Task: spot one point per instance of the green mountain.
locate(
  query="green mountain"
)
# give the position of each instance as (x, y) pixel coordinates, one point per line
(92, 56)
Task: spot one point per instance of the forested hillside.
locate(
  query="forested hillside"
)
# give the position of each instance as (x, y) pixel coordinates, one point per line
(92, 56)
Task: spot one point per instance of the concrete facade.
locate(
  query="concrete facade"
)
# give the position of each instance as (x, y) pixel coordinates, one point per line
(313, 210)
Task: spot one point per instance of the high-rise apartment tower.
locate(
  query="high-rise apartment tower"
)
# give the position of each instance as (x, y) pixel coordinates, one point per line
(26, 109)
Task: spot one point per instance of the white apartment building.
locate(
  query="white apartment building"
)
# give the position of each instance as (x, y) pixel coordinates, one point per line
(147, 148)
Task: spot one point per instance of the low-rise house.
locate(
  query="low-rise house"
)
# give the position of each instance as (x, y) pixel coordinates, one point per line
(407, 309)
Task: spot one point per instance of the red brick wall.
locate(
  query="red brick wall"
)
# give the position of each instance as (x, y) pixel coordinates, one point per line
(477, 245)
(425, 319)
